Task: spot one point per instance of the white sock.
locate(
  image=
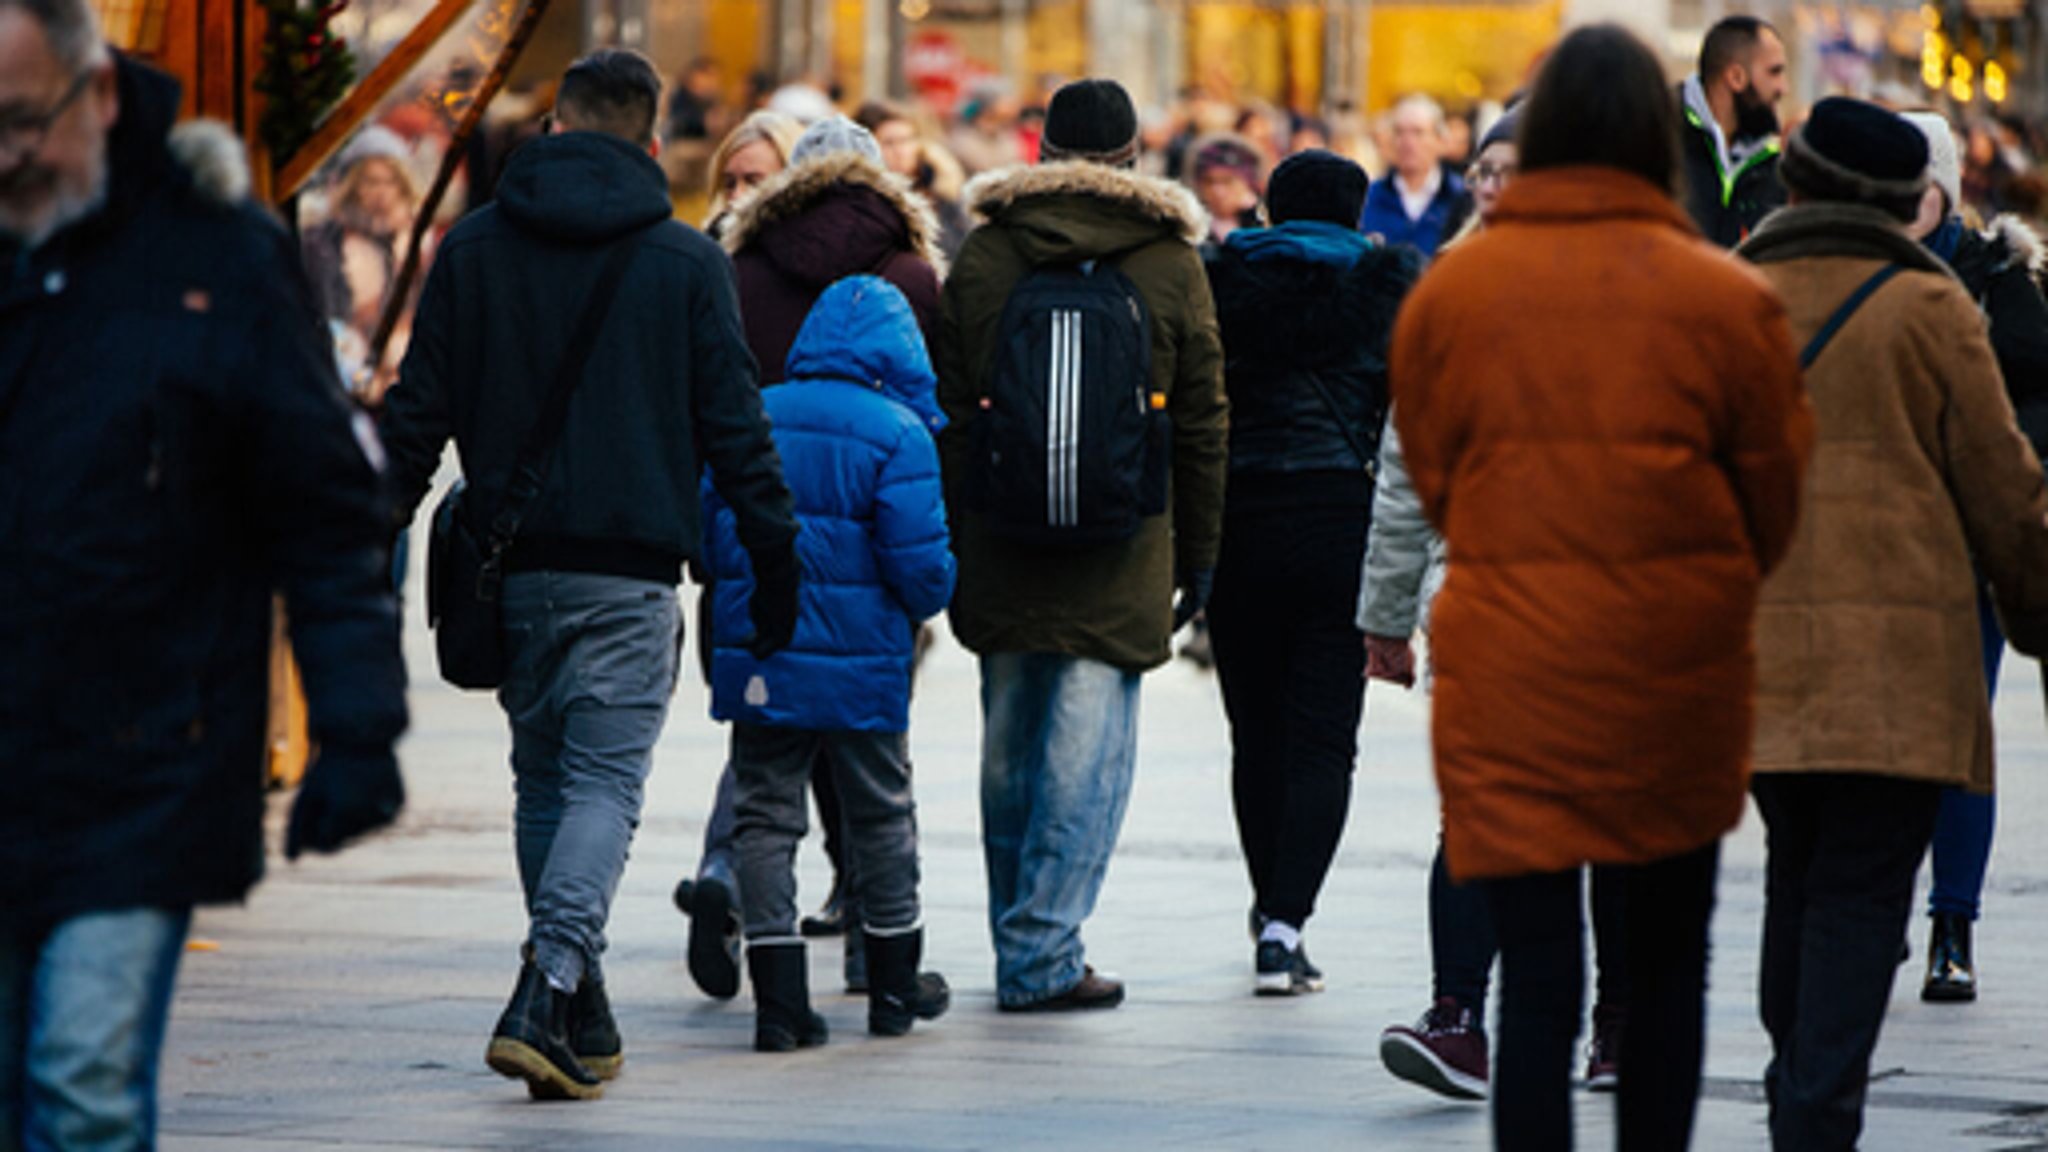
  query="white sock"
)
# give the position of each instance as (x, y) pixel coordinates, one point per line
(1287, 934)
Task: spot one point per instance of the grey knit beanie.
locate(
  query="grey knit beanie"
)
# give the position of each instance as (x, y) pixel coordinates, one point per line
(831, 137)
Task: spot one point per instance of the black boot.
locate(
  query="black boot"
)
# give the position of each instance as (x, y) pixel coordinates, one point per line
(897, 992)
(531, 1043)
(829, 920)
(783, 1020)
(855, 960)
(593, 1034)
(1951, 976)
(714, 937)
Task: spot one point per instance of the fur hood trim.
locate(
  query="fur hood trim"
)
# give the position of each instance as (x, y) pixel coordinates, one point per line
(789, 192)
(215, 158)
(2021, 240)
(990, 194)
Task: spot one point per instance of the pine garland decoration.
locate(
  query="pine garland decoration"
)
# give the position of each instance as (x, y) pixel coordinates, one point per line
(306, 68)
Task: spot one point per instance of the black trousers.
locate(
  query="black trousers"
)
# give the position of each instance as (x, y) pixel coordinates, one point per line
(1291, 663)
(1838, 889)
(1543, 977)
(1462, 946)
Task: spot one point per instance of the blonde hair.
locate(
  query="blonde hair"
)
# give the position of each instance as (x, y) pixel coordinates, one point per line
(774, 129)
(348, 187)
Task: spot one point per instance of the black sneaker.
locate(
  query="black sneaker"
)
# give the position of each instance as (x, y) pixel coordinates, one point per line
(1285, 971)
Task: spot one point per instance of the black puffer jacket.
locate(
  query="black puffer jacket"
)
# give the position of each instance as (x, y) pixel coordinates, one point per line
(1299, 307)
(2001, 268)
(669, 389)
(173, 446)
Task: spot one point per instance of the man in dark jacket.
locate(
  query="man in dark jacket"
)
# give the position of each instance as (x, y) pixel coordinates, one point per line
(1064, 633)
(173, 446)
(1731, 134)
(590, 613)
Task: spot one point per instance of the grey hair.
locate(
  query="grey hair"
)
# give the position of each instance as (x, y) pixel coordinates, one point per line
(72, 27)
(1415, 103)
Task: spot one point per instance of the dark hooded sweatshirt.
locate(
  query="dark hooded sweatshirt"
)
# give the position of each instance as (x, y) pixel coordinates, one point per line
(669, 389)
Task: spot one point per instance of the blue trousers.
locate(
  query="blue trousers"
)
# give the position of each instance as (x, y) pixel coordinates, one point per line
(83, 1005)
(1059, 749)
(1962, 828)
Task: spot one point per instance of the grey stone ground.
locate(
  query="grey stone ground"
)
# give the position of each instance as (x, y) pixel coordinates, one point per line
(348, 1004)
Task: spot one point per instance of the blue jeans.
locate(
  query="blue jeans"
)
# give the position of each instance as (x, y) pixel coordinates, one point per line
(1962, 829)
(1059, 745)
(83, 1006)
(593, 667)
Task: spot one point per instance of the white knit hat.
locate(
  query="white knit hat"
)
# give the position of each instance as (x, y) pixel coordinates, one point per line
(1944, 165)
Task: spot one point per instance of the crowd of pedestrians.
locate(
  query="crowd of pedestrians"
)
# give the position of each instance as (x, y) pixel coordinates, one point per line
(1684, 528)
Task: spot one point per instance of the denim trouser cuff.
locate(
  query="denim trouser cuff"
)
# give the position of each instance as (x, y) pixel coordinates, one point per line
(1015, 993)
(563, 963)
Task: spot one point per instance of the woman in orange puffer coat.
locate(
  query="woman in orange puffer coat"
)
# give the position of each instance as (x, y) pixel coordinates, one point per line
(1603, 416)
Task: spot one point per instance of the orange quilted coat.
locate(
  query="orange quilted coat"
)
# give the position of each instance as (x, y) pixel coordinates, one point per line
(1603, 415)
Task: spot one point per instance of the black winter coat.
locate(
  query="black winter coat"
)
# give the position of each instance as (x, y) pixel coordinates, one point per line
(173, 446)
(1289, 324)
(1726, 210)
(669, 389)
(2000, 267)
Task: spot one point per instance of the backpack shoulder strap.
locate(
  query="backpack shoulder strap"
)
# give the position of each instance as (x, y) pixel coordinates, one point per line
(1833, 326)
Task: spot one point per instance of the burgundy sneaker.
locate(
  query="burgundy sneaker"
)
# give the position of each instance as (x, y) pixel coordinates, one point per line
(1444, 1052)
(1603, 1056)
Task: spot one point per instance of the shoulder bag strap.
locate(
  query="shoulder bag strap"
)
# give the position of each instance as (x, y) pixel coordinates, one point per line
(530, 470)
(1829, 330)
(1367, 460)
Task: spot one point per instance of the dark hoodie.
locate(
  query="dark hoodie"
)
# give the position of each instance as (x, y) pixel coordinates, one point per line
(669, 389)
(812, 225)
(173, 447)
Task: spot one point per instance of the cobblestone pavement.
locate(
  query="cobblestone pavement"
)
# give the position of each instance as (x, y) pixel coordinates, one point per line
(347, 1005)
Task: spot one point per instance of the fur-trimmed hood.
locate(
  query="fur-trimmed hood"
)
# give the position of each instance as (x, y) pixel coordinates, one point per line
(1075, 210)
(217, 162)
(867, 214)
(2019, 239)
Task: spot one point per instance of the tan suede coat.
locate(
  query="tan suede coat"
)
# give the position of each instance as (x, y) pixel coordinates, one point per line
(1867, 640)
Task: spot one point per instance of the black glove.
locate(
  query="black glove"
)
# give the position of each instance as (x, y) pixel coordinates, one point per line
(774, 605)
(1194, 593)
(347, 792)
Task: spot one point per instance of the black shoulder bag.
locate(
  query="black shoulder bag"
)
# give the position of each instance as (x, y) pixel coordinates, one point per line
(466, 567)
(1369, 461)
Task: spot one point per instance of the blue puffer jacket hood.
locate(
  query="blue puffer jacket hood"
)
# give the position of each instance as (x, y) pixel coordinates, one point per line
(862, 330)
(852, 425)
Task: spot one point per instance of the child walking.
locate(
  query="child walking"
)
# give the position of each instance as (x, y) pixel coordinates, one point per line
(854, 424)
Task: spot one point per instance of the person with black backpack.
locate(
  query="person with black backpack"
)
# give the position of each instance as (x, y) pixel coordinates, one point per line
(1307, 307)
(1080, 365)
(586, 477)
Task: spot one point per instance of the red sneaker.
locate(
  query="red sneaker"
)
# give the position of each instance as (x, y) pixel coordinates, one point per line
(1444, 1052)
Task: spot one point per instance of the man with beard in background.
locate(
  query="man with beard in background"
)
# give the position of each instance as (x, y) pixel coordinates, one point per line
(1731, 138)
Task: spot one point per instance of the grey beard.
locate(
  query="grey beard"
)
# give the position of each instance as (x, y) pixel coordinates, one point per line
(69, 210)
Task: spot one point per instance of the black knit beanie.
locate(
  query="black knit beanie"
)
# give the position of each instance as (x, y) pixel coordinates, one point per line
(1317, 185)
(1091, 120)
(1858, 153)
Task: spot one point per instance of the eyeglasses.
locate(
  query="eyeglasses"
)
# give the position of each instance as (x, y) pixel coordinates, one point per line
(23, 136)
(1489, 173)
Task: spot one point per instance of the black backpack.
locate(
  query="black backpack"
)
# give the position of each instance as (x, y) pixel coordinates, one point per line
(1071, 444)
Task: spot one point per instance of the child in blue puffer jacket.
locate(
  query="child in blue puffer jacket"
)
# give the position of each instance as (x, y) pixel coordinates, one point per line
(854, 424)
